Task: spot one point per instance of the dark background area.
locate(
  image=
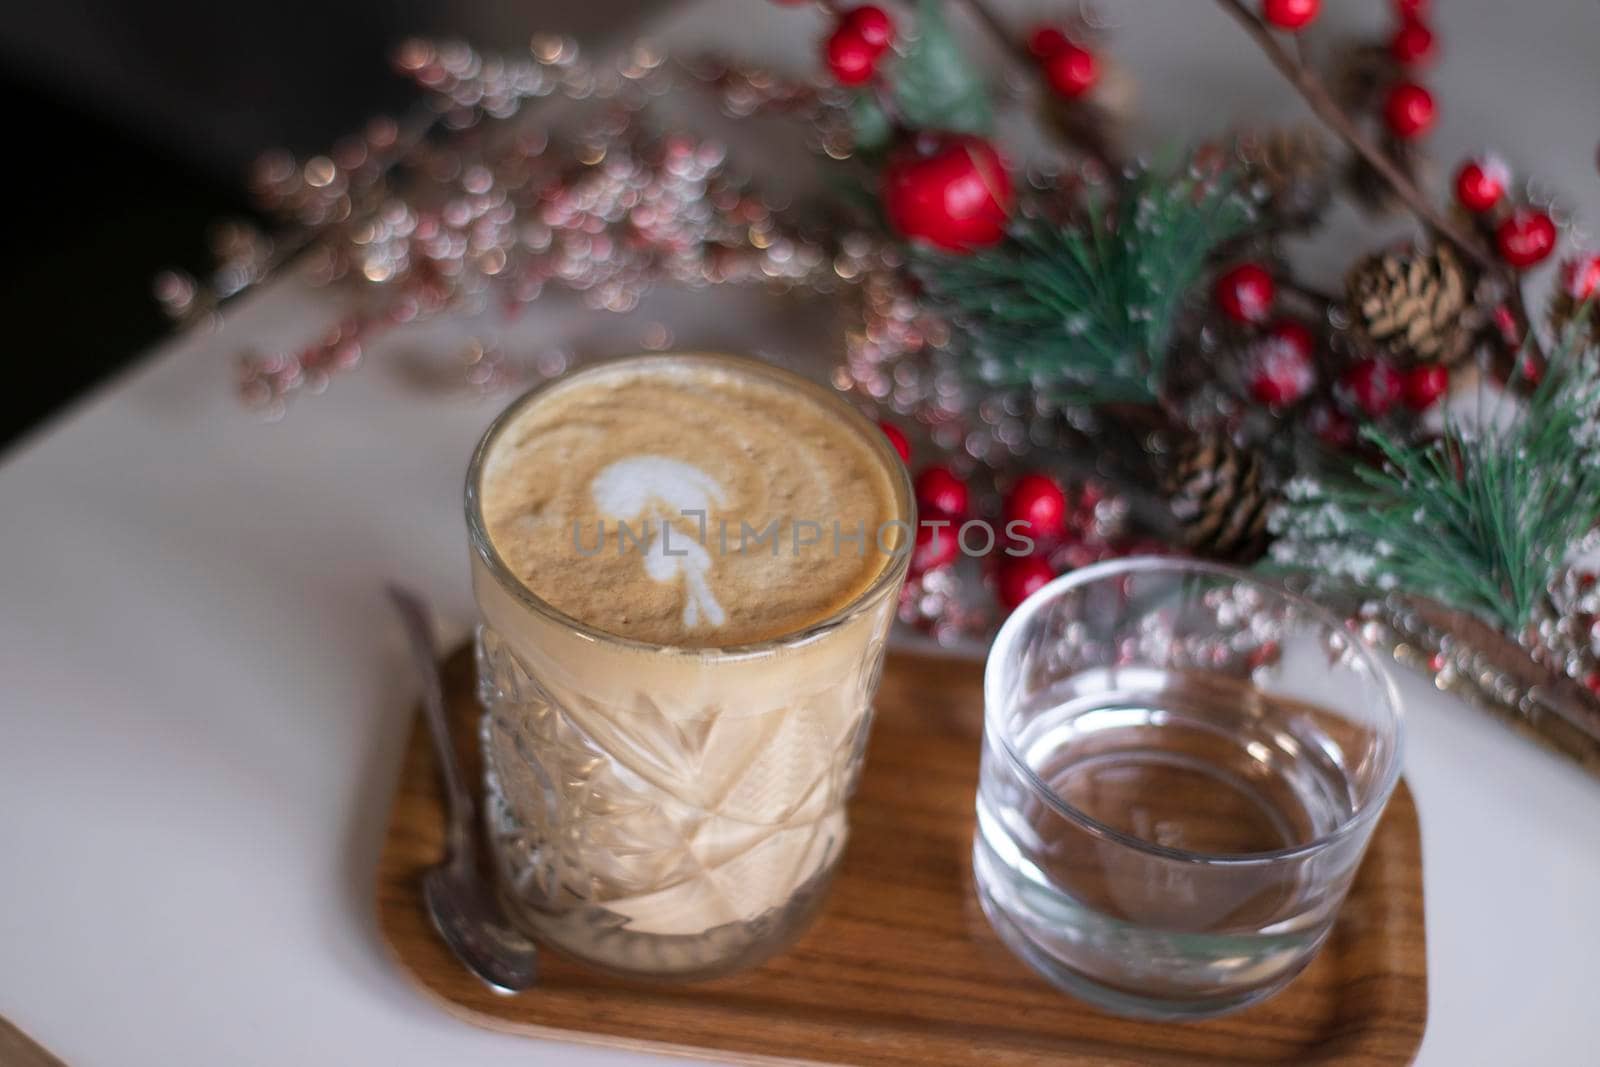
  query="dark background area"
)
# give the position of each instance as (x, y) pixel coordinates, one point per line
(133, 126)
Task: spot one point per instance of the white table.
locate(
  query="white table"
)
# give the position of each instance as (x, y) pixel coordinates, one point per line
(203, 699)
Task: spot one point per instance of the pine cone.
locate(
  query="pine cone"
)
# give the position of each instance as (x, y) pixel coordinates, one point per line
(1219, 496)
(1414, 305)
(1292, 171)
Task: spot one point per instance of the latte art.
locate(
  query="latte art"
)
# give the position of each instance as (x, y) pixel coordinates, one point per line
(667, 489)
(689, 504)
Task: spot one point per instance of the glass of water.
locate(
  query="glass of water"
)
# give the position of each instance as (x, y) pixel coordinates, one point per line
(1182, 766)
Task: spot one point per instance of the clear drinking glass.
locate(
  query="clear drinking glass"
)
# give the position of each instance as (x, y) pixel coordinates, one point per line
(1182, 767)
(664, 811)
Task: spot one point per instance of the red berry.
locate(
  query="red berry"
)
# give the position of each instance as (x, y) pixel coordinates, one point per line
(1412, 44)
(1245, 293)
(872, 25)
(850, 58)
(1290, 14)
(1281, 369)
(1046, 41)
(1409, 110)
(897, 439)
(1020, 577)
(934, 547)
(942, 493)
(1480, 183)
(1580, 278)
(1526, 237)
(1424, 385)
(1071, 71)
(948, 190)
(1505, 321)
(1038, 501)
(1591, 681)
(1333, 428)
(1373, 385)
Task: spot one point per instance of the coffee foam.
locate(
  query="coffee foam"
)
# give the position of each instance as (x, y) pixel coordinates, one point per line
(671, 501)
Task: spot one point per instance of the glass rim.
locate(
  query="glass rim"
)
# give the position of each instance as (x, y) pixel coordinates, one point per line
(1346, 828)
(887, 578)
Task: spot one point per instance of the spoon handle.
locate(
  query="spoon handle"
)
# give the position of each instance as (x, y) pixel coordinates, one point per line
(419, 631)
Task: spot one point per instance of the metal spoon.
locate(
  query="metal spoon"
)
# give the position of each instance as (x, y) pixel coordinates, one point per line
(461, 903)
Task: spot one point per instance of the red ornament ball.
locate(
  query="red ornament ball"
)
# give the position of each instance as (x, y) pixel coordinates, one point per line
(1071, 70)
(1373, 385)
(1580, 278)
(871, 24)
(948, 190)
(1422, 386)
(1409, 111)
(897, 439)
(1282, 372)
(1046, 41)
(940, 492)
(1413, 43)
(1246, 293)
(1527, 236)
(850, 58)
(1037, 501)
(1291, 15)
(1480, 183)
(934, 547)
(1020, 577)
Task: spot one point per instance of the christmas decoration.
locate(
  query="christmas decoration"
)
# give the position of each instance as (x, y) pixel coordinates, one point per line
(1071, 71)
(1115, 288)
(1412, 44)
(872, 25)
(851, 57)
(897, 439)
(1413, 304)
(1290, 172)
(1372, 386)
(1120, 356)
(1245, 293)
(1481, 183)
(1409, 111)
(1020, 578)
(948, 190)
(1526, 237)
(1292, 15)
(940, 492)
(1421, 387)
(934, 546)
(1220, 498)
(1038, 507)
(1479, 522)
(1282, 370)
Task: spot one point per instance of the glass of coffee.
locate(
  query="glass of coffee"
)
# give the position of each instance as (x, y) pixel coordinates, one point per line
(687, 566)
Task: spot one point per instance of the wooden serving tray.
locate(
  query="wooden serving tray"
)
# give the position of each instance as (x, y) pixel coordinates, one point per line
(901, 967)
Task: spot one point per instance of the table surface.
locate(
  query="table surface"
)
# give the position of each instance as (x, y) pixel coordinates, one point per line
(203, 701)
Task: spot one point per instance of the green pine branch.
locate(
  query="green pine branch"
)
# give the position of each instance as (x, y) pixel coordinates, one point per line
(1480, 519)
(1086, 313)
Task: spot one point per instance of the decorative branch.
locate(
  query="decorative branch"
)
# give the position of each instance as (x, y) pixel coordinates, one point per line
(1085, 133)
(1322, 104)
